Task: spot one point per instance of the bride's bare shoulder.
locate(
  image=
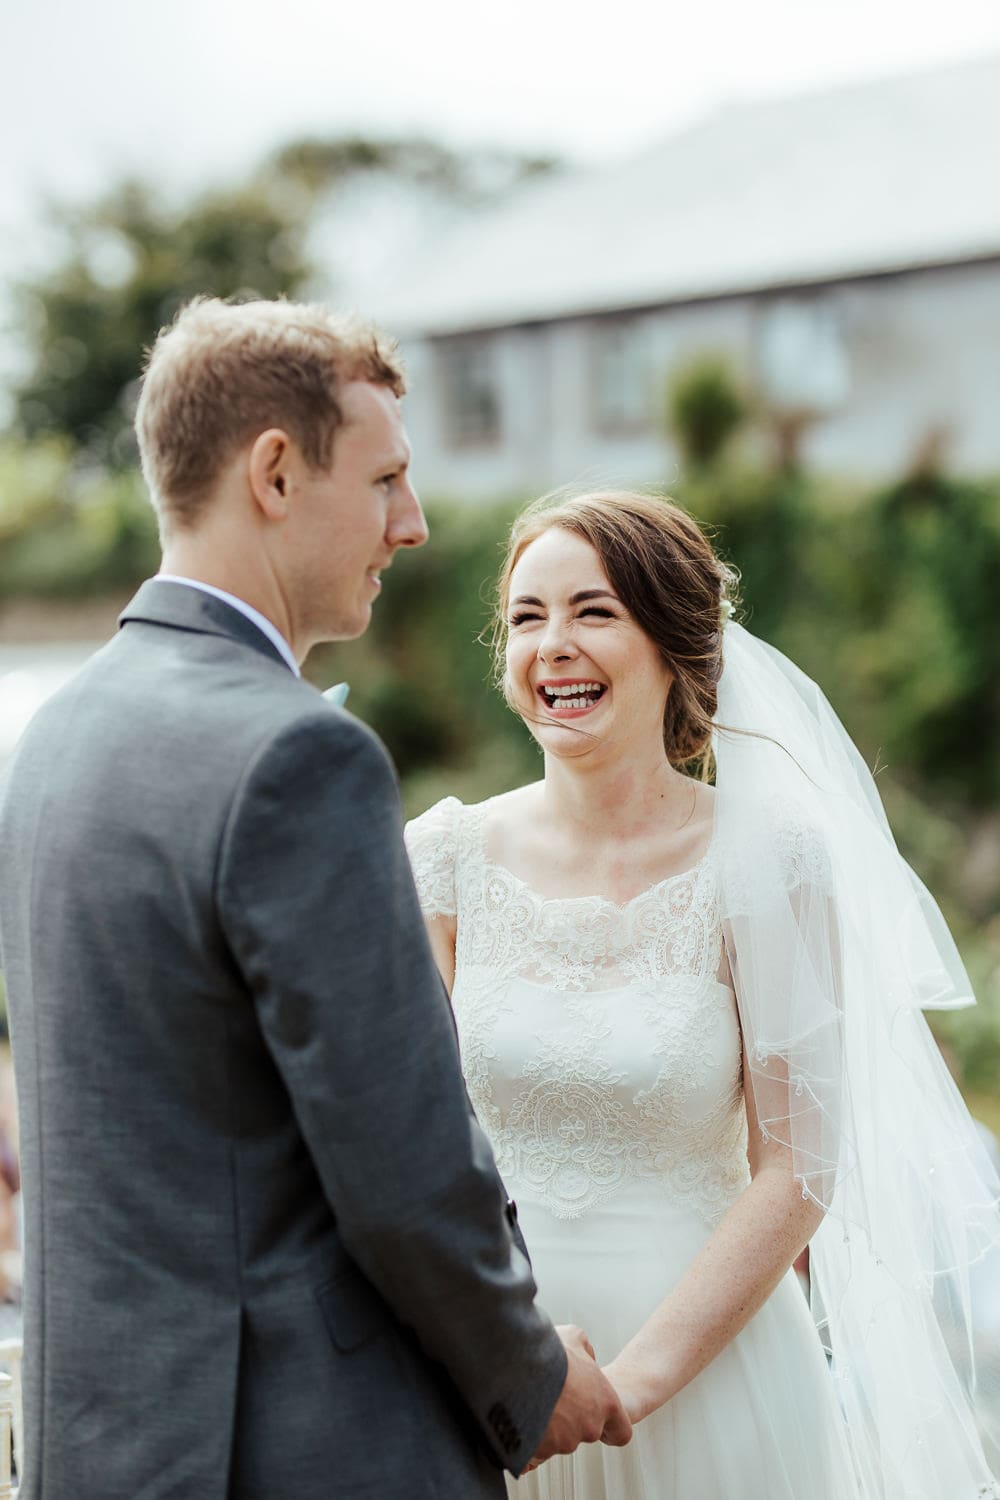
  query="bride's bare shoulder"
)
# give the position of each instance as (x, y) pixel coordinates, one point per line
(506, 814)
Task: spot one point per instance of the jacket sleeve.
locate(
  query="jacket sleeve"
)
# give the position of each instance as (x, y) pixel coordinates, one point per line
(316, 896)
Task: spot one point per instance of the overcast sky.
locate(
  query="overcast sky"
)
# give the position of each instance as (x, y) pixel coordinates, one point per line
(190, 91)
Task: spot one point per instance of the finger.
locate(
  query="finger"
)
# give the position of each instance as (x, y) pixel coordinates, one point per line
(570, 1334)
(577, 1344)
(618, 1429)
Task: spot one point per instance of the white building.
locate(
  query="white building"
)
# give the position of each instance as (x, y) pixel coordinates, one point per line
(841, 249)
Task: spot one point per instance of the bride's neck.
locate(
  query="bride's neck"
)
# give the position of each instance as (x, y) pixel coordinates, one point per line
(612, 801)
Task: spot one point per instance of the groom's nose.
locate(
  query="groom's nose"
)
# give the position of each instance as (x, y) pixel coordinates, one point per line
(407, 525)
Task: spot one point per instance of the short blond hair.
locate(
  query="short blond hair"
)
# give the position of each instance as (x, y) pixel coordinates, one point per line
(223, 372)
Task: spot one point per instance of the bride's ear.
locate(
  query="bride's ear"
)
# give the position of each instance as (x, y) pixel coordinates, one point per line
(670, 680)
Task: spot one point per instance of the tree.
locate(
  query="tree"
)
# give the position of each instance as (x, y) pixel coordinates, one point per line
(705, 409)
(68, 532)
(474, 177)
(129, 260)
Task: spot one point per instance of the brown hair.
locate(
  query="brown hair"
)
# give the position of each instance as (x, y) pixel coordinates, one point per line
(663, 569)
(224, 372)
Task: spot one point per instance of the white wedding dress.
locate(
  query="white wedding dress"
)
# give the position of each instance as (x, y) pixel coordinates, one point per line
(602, 1053)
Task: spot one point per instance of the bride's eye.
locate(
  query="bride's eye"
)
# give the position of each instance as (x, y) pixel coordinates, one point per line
(520, 619)
(595, 609)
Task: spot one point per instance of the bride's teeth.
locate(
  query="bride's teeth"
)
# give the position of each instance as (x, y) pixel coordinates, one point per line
(571, 694)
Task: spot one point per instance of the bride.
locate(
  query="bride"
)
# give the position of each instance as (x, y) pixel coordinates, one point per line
(690, 1020)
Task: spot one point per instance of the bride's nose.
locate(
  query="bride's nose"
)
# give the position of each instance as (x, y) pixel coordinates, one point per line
(555, 644)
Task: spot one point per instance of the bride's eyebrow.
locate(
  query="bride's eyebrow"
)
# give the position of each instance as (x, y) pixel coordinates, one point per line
(577, 598)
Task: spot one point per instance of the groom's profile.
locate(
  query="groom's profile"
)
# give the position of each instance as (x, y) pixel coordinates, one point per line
(267, 1251)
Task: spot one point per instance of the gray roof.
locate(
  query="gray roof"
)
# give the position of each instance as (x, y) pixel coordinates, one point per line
(878, 176)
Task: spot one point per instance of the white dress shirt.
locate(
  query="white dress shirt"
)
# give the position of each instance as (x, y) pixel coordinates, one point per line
(262, 623)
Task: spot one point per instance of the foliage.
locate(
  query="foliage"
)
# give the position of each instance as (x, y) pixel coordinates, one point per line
(421, 675)
(128, 260)
(474, 176)
(33, 478)
(888, 601)
(705, 409)
(974, 1038)
(67, 534)
(941, 539)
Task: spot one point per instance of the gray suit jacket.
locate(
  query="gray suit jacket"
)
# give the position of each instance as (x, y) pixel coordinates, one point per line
(266, 1245)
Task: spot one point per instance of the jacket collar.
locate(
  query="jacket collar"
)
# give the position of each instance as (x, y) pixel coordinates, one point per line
(159, 602)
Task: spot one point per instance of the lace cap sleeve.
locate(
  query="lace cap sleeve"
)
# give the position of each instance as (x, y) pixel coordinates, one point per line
(431, 842)
(801, 845)
(777, 838)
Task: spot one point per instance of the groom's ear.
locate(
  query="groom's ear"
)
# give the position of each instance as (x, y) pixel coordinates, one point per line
(269, 470)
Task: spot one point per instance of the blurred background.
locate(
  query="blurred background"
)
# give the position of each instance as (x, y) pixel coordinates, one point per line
(746, 255)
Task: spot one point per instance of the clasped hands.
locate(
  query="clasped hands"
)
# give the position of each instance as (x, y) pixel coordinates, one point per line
(589, 1408)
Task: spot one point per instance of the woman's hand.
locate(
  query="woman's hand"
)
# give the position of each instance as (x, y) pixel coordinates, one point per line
(635, 1391)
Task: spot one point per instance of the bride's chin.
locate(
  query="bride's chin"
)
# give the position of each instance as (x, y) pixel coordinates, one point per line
(562, 740)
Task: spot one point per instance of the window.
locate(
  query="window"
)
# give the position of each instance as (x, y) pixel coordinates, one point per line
(471, 391)
(801, 356)
(621, 382)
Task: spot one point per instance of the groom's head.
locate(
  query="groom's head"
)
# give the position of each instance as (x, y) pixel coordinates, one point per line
(272, 431)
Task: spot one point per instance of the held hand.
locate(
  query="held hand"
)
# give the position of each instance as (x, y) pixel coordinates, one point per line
(588, 1408)
(633, 1392)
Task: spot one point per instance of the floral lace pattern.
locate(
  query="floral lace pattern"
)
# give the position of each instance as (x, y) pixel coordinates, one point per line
(778, 830)
(430, 842)
(599, 1045)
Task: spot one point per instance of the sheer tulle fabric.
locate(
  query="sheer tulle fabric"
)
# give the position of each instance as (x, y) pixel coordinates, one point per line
(836, 949)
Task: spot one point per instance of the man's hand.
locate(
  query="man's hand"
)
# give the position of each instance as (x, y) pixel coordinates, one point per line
(588, 1408)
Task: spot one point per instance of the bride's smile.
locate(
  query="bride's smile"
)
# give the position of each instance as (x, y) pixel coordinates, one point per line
(569, 699)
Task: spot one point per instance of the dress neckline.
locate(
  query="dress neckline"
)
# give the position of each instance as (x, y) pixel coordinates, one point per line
(478, 813)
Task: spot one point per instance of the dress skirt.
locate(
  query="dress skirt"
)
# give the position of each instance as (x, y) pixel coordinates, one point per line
(761, 1422)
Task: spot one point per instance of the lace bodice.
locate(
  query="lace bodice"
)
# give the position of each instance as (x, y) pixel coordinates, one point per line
(599, 1042)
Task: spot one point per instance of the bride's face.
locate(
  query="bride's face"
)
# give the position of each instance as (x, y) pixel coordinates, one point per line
(576, 659)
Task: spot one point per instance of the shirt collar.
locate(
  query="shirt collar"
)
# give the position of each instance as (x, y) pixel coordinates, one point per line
(262, 623)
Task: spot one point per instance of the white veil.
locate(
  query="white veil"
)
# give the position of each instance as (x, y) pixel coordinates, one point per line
(836, 948)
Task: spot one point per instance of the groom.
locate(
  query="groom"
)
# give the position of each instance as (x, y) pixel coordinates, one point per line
(267, 1249)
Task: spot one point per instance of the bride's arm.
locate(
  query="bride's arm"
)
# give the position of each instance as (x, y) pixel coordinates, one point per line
(728, 1281)
(441, 931)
